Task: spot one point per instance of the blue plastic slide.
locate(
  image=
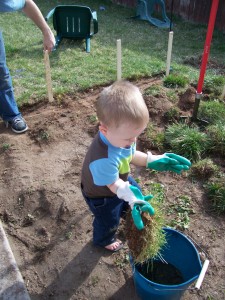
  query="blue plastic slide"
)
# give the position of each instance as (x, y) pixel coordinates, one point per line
(145, 9)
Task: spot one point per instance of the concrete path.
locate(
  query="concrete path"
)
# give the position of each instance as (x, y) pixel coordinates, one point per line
(12, 286)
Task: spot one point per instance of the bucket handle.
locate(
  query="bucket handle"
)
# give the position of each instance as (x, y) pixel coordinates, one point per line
(204, 268)
(202, 274)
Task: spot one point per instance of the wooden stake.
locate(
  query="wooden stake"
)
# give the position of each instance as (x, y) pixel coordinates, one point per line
(119, 72)
(48, 76)
(223, 93)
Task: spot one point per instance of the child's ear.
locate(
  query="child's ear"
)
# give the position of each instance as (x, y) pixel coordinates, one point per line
(103, 128)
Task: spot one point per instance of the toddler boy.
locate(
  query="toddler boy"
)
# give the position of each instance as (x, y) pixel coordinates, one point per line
(105, 180)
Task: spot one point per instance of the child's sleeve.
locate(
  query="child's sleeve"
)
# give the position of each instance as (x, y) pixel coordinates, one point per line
(104, 171)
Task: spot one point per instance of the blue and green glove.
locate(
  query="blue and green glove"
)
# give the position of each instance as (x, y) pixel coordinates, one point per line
(168, 162)
(137, 202)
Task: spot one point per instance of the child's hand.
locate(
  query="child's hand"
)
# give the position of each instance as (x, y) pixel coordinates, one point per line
(168, 162)
(138, 208)
(137, 211)
(137, 201)
(132, 194)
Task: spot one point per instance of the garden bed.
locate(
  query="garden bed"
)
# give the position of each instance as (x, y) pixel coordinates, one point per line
(49, 225)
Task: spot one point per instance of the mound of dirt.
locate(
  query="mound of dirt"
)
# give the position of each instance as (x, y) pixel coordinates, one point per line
(48, 223)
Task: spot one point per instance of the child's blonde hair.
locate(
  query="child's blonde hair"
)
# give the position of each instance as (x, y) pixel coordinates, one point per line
(122, 102)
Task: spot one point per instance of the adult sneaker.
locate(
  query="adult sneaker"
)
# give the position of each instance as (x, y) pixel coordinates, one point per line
(18, 125)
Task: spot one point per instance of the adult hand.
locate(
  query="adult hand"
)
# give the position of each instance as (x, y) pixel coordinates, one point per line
(168, 162)
(48, 40)
(34, 13)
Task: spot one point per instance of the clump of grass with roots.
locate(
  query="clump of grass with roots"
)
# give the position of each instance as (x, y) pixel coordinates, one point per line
(203, 169)
(146, 244)
(187, 141)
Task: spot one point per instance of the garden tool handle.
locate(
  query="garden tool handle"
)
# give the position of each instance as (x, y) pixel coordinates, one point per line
(202, 274)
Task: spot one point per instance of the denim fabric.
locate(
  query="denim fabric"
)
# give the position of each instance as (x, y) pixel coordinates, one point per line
(11, 5)
(107, 213)
(8, 105)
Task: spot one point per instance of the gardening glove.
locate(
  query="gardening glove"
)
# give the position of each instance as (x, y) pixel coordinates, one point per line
(167, 162)
(141, 207)
(137, 202)
(137, 211)
(131, 194)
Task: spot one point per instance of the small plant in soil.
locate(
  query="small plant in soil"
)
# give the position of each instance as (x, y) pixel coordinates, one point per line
(94, 280)
(43, 135)
(68, 235)
(182, 208)
(216, 193)
(5, 146)
(122, 261)
(145, 244)
(93, 118)
(187, 141)
(203, 169)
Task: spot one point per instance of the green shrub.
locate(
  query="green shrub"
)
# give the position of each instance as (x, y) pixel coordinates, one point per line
(212, 111)
(214, 84)
(187, 141)
(216, 134)
(173, 81)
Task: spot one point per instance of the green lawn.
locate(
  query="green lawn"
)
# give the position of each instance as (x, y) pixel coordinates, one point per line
(144, 51)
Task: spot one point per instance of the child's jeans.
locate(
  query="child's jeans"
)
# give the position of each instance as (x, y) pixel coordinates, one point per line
(107, 212)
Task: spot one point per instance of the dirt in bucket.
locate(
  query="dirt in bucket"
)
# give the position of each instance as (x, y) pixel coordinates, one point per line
(160, 272)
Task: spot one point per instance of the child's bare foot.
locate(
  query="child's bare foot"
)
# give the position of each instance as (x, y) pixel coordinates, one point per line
(115, 246)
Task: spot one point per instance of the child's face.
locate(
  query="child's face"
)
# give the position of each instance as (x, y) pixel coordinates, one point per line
(124, 135)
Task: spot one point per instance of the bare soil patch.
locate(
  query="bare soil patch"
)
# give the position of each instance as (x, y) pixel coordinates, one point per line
(48, 223)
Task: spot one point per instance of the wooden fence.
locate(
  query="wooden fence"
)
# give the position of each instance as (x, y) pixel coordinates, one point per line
(193, 10)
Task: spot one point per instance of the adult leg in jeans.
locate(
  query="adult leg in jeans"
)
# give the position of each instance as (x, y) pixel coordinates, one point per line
(8, 107)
